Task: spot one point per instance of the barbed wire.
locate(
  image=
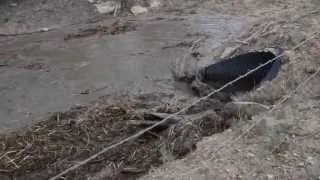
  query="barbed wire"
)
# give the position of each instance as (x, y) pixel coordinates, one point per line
(138, 134)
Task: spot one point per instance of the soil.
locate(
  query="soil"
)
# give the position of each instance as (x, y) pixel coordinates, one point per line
(113, 29)
(270, 145)
(75, 81)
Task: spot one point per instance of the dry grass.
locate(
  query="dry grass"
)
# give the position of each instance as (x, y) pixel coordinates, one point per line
(279, 146)
(53, 145)
(283, 144)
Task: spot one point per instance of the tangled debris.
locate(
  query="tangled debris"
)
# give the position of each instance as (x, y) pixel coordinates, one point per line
(115, 28)
(55, 144)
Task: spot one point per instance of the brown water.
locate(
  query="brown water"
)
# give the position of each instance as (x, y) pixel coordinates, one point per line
(46, 74)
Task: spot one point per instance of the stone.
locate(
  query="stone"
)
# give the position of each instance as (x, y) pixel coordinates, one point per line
(137, 9)
(154, 4)
(270, 176)
(45, 29)
(13, 4)
(106, 7)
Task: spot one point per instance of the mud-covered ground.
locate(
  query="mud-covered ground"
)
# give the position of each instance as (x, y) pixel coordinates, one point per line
(113, 72)
(115, 75)
(50, 71)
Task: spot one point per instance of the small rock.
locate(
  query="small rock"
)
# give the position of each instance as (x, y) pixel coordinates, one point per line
(106, 7)
(155, 4)
(137, 9)
(270, 176)
(115, 108)
(301, 164)
(13, 4)
(91, 1)
(310, 160)
(251, 155)
(45, 29)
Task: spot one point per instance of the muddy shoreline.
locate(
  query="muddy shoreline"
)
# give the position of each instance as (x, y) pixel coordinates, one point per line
(46, 72)
(114, 75)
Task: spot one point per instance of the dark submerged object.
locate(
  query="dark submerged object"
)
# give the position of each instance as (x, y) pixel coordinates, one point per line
(226, 70)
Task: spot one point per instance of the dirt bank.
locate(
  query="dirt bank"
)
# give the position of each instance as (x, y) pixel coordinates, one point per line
(121, 65)
(278, 144)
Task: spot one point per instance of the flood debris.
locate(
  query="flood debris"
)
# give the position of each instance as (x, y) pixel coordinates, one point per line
(54, 144)
(118, 27)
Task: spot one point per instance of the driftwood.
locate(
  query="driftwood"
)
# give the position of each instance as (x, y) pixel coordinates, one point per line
(171, 121)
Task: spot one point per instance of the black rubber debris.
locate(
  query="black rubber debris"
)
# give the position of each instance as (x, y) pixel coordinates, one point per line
(226, 70)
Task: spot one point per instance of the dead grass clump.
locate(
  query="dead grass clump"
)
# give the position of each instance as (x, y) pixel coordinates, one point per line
(53, 145)
(183, 136)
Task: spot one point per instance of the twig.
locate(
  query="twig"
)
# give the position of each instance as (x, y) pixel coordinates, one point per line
(251, 103)
(12, 161)
(242, 42)
(105, 131)
(20, 152)
(131, 170)
(42, 30)
(259, 31)
(141, 122)
(25, 158)
(6, 153)
(5, 171)
(88, 137)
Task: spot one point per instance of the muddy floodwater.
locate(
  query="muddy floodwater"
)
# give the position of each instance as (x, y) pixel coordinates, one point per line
(45, 73)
